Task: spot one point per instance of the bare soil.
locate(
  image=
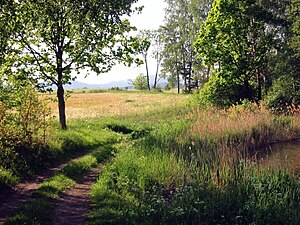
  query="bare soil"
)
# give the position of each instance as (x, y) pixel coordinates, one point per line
(12, 199)
(73, 205)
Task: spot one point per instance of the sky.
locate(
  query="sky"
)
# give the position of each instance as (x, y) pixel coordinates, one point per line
(151, 17)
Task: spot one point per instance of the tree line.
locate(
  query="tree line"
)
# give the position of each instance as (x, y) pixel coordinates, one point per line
(229, 50)
(233, 50)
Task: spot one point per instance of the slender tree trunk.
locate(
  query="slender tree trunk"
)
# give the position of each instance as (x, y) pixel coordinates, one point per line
(61, 106)
(156, 74)
(208, 74)
(178, 82)
(147, 73)
(60, 89)
(259, 91)
(190, 77)
(178, 78)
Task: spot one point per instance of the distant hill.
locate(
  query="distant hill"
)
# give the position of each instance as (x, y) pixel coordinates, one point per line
(121, 84)
(81, 85)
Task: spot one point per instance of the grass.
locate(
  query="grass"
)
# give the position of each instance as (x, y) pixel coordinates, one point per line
(95, 105)
(175, 164)
(191, 169)
(39, 210)
(7, 178)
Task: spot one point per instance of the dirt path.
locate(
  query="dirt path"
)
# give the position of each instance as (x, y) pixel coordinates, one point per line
(73, 205)
(12, 199)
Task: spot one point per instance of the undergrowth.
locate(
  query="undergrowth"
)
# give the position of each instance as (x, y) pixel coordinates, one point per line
(200, 168)
(39, 210)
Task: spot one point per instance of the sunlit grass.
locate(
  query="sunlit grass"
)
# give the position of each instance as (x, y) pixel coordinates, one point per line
(177, 164)
(244, 128)
(39, 210)
(191, 169)
(95, 105)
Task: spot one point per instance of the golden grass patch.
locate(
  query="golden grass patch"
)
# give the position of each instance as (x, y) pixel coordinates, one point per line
(91, 105)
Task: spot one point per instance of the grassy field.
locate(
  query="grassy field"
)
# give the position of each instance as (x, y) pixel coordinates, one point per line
(173, 163)
(107, 104)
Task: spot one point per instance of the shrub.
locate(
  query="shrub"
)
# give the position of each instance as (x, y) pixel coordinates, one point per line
(222, 92)
(282, 95)
(23, 126)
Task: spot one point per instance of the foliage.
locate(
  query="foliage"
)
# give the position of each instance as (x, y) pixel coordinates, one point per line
(221, 92)
(7, 178)
(282, 94)
(235, 42)
(140, 82)
(295, 24)
(55, 38)
(182, 22)
(23, 126)
(7, 13)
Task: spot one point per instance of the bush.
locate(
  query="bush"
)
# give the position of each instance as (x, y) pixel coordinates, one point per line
(282, 95)
(222, 92)
(23, 126)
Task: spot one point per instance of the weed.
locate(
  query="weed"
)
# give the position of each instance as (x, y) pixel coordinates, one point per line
(7, 178)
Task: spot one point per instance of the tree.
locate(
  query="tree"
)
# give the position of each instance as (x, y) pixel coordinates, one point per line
(140, 82)
(235, 43)
(7, 13)
(285, 65)
(144, 45)
(183, 19)
(294, 18)
(61, 36)
(157, 53)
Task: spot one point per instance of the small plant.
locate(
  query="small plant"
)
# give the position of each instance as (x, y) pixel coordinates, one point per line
(23, 128)
(7, 178)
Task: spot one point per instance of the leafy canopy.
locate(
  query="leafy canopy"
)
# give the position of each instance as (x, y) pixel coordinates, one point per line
(52, 38)
(233, 40)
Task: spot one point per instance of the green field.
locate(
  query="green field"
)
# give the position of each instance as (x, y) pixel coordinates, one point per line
(170, 162)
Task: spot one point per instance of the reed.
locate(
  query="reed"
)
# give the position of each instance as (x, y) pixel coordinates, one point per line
(206, 172)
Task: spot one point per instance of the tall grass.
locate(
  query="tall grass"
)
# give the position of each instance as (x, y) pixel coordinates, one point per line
(239, 132)
(200, 168)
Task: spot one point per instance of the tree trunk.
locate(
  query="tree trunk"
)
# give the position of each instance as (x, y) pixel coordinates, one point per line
(178, 77)
(156, 75)
(61, 106)
(147, 73)
(259, 91)
(190, 77)
(208, 74)
(60, 90)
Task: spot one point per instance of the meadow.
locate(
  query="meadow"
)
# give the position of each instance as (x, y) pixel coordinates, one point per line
(174, 163)
(107, 104)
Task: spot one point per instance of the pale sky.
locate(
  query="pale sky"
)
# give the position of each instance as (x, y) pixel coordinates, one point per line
(151, 18)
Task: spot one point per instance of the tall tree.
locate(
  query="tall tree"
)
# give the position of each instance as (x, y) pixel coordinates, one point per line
(7, 13)
(294, 18)
(61, 36)
(183, 19)
(144, 46)
(157, 54)
(234, 42)
(151, 45)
